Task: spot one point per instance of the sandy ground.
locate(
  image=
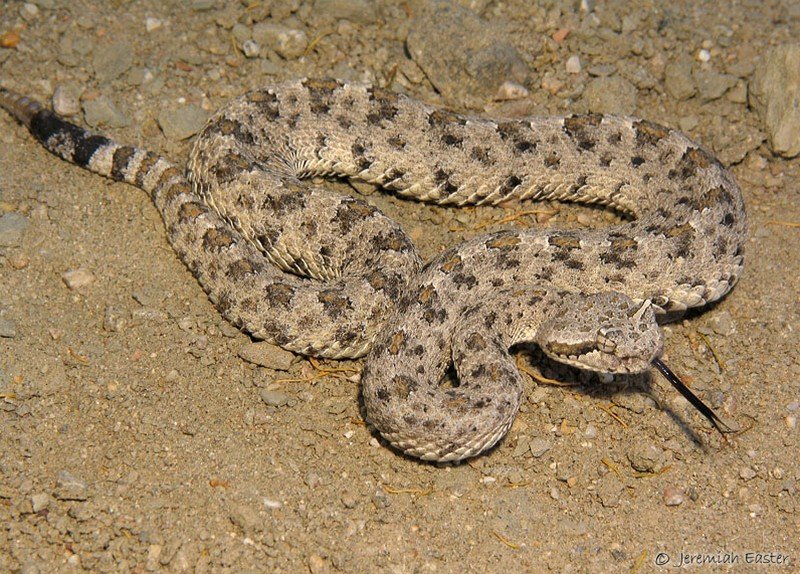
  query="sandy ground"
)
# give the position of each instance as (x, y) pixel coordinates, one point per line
(134, 438)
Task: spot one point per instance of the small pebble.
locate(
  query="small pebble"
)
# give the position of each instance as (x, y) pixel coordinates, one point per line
(574, 65)
(539, 446)
(348, 499)
(183, 122)
(8, 329)
(245, 517)
(66, 101)
(151, 24)
(678, 79)
(704, 55)
(673, 496)
(722, 323)
(78, 278)
(287, 42)
(111, 61)
(271, 504)
(267, 355)
(102, 112)
(18, 261)
(29, 11)
(380, 499)
(688, 123)
(203, 5)
(602, 70)
(153, 555)
(747, 473)
(611, 95)
(712, 85)
(645, 458)
(251, 48)
(70, 487)
(12, 226)
(10, 39)
(317, 564)
(511, 91)
(40, 501)
(275, 398)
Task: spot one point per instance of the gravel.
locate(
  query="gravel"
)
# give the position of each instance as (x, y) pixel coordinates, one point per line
(465, 57)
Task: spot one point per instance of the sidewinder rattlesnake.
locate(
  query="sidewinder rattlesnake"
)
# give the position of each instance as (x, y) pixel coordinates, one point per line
(331, 276)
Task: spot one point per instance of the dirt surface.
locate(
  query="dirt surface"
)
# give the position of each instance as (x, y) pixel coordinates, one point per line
(134, 437)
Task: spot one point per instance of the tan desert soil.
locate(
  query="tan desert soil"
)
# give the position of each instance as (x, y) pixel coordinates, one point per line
(134, 436)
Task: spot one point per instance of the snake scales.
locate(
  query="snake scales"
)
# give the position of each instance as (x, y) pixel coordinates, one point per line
(331, 276)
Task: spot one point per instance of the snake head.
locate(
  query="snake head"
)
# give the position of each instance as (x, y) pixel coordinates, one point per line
(603, 332)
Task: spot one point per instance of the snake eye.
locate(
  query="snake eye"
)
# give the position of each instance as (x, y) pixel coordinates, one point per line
(604, 341)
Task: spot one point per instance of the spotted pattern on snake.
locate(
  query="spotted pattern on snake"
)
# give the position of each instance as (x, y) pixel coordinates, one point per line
(331, 276)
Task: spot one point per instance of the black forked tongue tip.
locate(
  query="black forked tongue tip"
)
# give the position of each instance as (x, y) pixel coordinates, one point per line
(704, 409)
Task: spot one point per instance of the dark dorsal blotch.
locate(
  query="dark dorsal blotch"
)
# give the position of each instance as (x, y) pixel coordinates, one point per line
(564, 241)
(443, 118)
(649, 133)
(122, 157)
(581, 129)
(266, 102)
(217, 239)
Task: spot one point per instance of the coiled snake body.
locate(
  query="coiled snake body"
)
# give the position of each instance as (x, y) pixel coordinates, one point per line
(330, 276)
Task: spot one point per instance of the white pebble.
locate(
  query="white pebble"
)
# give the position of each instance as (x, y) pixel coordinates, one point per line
(673, 496)
(704, 55)
(151, 24)
(66, 101)
(29, 11)
(77, 278)
(251, 48)
(574, 65)
(269, 503)
(511, 91)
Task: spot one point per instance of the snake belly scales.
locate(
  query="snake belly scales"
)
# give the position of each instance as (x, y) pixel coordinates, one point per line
(331, 276)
